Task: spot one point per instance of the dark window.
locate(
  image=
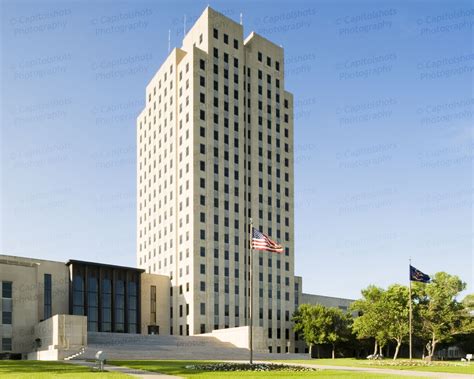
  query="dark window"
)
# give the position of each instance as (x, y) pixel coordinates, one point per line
(132, 305)
(236, 44)
(7, 290)
(106, 301)
(226, 39)
(259, 56)
(216, 33)
(119, 304)
(47, 296)
(78, 295)
(6, 318)
(6, 344)
(202, 64)
(153, 304)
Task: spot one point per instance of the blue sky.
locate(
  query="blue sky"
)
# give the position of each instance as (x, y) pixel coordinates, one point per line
(383, 130)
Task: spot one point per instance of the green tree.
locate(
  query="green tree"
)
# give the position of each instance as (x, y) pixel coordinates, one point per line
(468, 302)
(395, 303)
(370, 322)
(318, 324)
(338, 328)
(309, 321)
(468, 314)
(441, 316)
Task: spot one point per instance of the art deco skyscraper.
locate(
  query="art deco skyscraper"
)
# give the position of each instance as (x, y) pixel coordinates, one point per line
(214, 148)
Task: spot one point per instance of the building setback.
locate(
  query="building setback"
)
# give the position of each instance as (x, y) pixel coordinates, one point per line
(112, 298)
(214, 149)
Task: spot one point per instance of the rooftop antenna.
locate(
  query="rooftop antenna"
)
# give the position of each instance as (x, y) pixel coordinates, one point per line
(184, 26)
(241, 16)
(169, 40)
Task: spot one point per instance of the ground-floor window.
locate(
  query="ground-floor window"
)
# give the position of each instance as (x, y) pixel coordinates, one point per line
(6, 344)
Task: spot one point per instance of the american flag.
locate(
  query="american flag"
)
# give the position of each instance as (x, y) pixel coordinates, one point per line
(261, 241)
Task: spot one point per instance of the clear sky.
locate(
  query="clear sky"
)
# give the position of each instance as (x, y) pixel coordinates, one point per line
(383, 130)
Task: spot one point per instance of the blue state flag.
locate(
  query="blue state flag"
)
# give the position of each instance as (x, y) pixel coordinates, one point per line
(418, 276)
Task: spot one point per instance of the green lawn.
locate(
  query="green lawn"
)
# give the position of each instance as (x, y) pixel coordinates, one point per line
(44, 370)
(400, 364)
(178, 368)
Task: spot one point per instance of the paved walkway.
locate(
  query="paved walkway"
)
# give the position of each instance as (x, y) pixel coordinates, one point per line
(426, 374)
(126, 370)
(156, 375)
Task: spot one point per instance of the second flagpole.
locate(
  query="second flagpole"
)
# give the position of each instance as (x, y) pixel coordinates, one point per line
(251, 293)
(410, 315)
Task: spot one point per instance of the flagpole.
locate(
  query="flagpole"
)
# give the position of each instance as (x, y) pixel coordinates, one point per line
(410, 316)
(251, 294)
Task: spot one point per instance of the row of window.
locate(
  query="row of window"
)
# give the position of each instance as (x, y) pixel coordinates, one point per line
(202, 253)
(225, 38)
(202, 150)
(236, 46)
(236, 238)
(180, 330)
(278, 333)
(202, 269)
(202, 216)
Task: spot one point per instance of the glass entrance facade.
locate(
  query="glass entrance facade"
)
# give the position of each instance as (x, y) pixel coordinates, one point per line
(108, 295)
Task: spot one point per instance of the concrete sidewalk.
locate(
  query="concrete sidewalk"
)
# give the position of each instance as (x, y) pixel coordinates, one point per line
(127, 370)
(386, 371)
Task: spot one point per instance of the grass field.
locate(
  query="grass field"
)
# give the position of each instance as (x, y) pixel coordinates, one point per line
(400, 364)
(44, 370)
(178, 368)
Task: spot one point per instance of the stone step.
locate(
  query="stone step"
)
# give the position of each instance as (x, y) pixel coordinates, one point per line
(137, 346)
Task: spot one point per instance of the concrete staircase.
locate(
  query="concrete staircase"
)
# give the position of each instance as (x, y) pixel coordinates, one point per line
(137, 346)
(76, 355)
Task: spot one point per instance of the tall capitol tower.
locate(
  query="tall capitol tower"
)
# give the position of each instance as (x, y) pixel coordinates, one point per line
(214, 149)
